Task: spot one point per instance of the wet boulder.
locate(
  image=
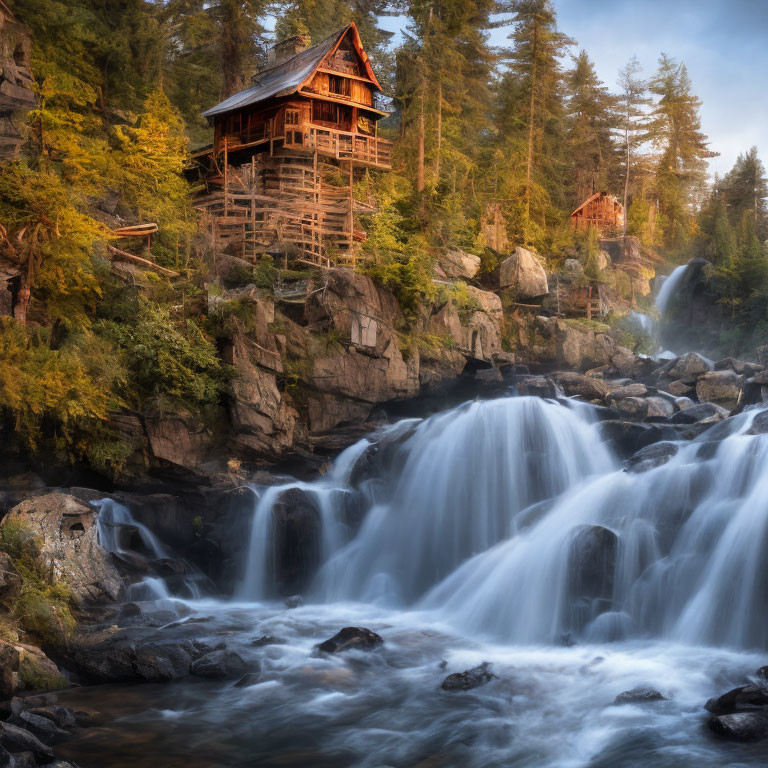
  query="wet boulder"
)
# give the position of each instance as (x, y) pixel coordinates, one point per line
(641, 695)
(620, 390)
(740, 726)
(659, 407)
(689, 367)
(351, 638)
(15, 739)
(592, 561)
(297, 539)
(628, 437)
(743, 698)
(722, 387)
(219, 665)
(759, 424)
(633, 407)
(703, 412)
(679, 388)
(45, 730)
(537, 386)
(582, 385)
(651, 456)
(469, 679)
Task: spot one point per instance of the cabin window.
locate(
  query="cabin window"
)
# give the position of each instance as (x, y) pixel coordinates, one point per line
(292, 117)
(325, 112)
(338, 85)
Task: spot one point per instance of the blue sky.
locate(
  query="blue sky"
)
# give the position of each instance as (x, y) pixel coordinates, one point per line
(724, 44)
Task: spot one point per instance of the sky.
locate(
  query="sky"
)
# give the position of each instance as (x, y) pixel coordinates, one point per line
(724, 44)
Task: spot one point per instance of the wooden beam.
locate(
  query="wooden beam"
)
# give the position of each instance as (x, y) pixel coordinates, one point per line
(142, 262)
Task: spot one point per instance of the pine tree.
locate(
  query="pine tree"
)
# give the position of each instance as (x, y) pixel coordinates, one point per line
(591, 124)
(745, 189)
(531, 114)
(676, 131)
(443, 94)
(633, 103)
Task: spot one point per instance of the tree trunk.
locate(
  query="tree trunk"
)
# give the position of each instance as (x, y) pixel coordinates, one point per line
(420, 161)
(23, 295)
(626, 184)
(439, 129)
(531, 119)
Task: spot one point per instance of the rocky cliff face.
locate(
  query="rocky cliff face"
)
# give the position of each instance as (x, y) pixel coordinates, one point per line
(311, 365)
(16, 94)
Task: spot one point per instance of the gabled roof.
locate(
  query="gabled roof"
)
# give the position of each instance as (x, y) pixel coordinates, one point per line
(594, 197)
(290, 75)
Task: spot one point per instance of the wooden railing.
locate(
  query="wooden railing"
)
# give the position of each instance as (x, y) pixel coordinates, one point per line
(343, 145)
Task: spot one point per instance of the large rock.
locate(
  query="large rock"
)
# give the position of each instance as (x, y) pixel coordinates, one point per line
(470, 678)
(741, 726)
(457, 265)
(651, 456)
(219, 665)
(580, 346)
(351, 638)
(69, 547)
(261, 415)
(523, 273)
(474, 332)
(689, 367)
(16, 739)
(723, 387)
(579, 384)
(297, 540)
(640, 695)
(591, 563)
(741, 699)
(180, 439)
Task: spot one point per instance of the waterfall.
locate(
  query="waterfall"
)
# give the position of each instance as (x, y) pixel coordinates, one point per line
(669, 288)
(512, 520)
(114, 519)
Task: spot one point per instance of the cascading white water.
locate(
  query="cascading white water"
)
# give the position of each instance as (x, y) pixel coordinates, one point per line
(511, 518)
(112, 520)
(669, 288)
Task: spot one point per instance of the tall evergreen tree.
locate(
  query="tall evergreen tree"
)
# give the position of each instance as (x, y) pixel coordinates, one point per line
(591, 124)
(633, 104)
(531, 111)
(676, 130)
(444, 71)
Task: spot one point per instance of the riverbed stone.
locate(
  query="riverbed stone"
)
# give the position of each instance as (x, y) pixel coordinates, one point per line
(702, 412)
(582, 385)
(15, 739)
(351, 638)
(689, 367)
(640, 695)
(679, 388)
(651, 456)
(591, 563)
(740, 726)
(723, 387)
(745, 697)
(470, 678)
(219, 665)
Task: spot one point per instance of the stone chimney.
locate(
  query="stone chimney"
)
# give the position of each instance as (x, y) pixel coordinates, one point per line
(287, 48)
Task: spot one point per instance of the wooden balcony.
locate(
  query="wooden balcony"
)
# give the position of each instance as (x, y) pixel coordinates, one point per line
(342, 145)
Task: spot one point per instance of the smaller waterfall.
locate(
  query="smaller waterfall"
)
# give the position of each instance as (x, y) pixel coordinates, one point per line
(114, 519)
(669, 288)
(118, 529)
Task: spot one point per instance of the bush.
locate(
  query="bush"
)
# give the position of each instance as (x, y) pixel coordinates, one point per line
(42, 607)
(167, 357)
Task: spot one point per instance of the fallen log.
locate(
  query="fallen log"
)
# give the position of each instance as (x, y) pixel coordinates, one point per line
(142, 262)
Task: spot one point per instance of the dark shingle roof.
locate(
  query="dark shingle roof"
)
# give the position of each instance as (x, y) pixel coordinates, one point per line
(280, 80)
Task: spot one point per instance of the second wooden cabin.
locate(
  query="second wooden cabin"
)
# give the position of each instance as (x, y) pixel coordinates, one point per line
(602, 211)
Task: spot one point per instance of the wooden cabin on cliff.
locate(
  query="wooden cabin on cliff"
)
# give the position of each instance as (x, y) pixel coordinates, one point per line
(286, 152)
(602, 211)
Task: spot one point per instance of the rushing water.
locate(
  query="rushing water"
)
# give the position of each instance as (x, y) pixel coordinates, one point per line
(501, 531)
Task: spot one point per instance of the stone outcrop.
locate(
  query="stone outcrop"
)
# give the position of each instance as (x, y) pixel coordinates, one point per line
(457, 265)
(523, 274)
(16, 93)
(69, 545)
